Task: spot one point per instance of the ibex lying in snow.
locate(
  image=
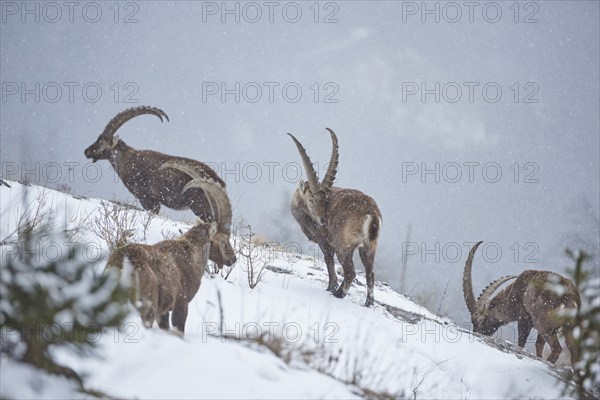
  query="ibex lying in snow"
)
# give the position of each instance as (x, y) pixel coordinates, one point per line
(536, 299)
(338, 220)
(141, 173)
(166, 276)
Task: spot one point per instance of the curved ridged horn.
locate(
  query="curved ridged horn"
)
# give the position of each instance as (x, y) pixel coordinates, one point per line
(311, 175)
(215, 207)
(327, 182)
(124, 116)
(219, 195)
(484, 298)
(468, 283)
(215, 193)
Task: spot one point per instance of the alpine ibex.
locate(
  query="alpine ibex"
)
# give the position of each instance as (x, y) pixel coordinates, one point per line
(542, 300)
(166, 276)
(217, 196)
(140, 172)
(338, 220)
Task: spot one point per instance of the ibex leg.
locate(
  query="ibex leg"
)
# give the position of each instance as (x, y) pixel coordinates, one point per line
(524, 327)
(148, 313)
(149, 307)
(180, 314)
(539, 345)
(552, 340)
(328, 252)
(349, 275)
(163, 322)
(571, 345)
(149, 204)
(368, 258)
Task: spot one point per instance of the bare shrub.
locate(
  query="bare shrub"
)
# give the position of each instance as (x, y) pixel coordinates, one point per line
(114, 224)
(146, 218)
(30, 218)
(251, 251)
(64, 188)
(33, 215)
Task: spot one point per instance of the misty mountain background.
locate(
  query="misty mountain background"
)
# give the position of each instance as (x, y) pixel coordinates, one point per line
(355, 72)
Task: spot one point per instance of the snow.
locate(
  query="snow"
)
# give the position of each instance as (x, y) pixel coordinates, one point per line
(21, 381)
(328, 347)
(165, 366)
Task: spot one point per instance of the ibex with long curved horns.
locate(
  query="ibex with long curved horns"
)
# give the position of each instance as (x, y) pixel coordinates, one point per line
(338, 220)
(140, 172)
(542, 300)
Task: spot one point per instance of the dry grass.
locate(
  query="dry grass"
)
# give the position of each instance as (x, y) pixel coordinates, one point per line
(251, 252)
(116, 223)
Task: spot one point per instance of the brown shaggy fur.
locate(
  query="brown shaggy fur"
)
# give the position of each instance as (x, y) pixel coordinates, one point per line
(166, 275)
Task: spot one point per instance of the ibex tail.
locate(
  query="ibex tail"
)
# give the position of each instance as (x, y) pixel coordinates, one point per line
(371, 227)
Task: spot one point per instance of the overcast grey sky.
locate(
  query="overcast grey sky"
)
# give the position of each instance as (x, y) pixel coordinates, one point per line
(500, 102)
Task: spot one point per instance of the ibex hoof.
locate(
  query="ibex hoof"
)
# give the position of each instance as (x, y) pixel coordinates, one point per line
(339, 293)
(370, 301)
(176, 332)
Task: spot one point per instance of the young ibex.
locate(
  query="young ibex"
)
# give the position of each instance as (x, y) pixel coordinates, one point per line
(166, 276)
(140, 172)
(542, 300)
(338, 220)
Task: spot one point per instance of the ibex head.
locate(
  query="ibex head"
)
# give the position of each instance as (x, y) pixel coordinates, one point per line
(314, 195)
(221, 251)
(487, 314)
(102, 148)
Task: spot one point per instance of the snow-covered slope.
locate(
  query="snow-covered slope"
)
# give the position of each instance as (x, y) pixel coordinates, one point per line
(286, 338)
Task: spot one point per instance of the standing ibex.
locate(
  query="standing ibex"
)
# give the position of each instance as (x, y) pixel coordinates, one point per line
(338, 220)
(542, 300)
(166, 276)
(140, 172)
